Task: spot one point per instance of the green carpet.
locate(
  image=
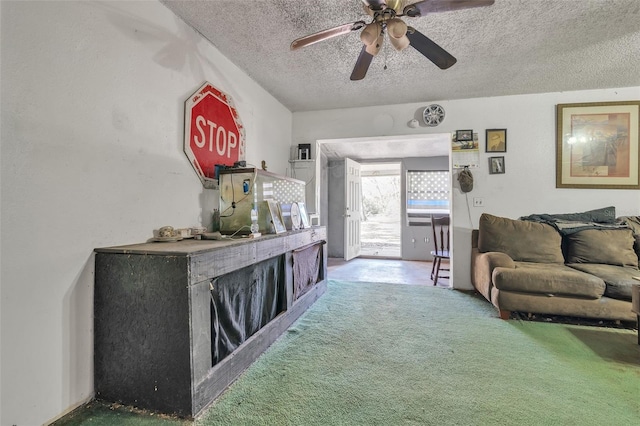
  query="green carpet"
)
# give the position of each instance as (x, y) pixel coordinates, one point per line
(380, 354)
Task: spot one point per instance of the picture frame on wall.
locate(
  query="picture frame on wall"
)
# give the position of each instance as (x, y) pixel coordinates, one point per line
(464, 135)
(597, 145)
(496, 140)
(276, 217)
(496, 165)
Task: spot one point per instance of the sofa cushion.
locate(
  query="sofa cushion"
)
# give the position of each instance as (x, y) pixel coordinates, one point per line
(618, 279)
(608, 246)
(633, 222)
(549, 279)
(522, 240)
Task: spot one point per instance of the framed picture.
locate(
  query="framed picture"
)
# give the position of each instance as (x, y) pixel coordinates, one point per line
(303, 215)
(496, 165)
(496, 140)
(276, 217)
(597, 145)
(464, 135)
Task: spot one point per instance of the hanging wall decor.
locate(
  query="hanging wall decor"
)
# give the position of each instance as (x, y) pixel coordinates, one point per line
(213, 133)
(465, 153)
(496, 165)
(496, 140)
(597, 145)
(464, 135)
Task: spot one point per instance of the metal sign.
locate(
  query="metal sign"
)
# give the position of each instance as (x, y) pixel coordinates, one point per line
(213, 135)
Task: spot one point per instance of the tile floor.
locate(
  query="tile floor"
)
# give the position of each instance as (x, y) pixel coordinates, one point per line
(383, 270)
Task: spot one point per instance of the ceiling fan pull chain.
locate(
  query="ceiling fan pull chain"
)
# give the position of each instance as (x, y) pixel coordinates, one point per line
(385, 49)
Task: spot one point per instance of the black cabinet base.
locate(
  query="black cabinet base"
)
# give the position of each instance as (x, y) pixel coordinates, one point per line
(153, 327)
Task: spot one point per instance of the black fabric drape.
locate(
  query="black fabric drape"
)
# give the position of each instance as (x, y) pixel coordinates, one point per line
(307, 263)
(244, 301)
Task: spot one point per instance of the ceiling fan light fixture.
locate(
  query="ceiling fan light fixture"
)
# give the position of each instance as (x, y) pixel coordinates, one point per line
(373, 49)
(370, 33)
(396, 28)
(399, 43)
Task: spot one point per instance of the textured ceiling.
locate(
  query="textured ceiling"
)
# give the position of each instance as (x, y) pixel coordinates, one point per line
(512, 47)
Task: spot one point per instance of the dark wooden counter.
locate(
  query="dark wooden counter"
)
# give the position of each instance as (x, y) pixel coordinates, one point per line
(153, 317)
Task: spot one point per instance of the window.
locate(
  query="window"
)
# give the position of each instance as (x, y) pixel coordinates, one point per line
(427, 193)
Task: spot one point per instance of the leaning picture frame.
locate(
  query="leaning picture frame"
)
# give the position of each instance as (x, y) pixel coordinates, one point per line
(304, 215)
(496, 165)
(496, 140)
(597, 145)
(276, 217)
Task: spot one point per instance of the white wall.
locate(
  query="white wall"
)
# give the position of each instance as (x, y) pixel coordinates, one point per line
(92, 126)
(527, 187)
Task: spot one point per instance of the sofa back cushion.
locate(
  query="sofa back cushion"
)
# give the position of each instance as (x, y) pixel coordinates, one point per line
(523, 241)
(607, 246)
(633, 222)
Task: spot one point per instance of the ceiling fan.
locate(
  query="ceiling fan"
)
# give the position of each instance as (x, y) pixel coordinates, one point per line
(386, 19)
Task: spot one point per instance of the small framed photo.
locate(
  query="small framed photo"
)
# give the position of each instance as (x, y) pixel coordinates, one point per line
(496, 165)
(496, 140)
(303, 215)
(464, 135)
(276, 217)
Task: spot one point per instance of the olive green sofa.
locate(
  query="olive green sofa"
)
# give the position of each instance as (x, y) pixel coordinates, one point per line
(529, 267)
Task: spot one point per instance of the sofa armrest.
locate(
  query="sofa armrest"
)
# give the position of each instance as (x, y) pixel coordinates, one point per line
(496, 259)
(482, 266)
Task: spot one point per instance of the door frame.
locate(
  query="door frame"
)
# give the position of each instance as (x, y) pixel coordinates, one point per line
(359, 148)
(382, 167)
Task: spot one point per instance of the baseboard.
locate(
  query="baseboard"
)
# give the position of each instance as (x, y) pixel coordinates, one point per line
(71, 409)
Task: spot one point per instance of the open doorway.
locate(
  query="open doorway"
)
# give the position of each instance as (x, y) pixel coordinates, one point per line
(413, 153)
(380, 229)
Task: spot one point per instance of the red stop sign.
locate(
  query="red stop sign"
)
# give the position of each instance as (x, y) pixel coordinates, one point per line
(214, 134)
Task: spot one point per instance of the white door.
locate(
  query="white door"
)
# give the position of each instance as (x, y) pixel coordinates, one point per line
(353, 207)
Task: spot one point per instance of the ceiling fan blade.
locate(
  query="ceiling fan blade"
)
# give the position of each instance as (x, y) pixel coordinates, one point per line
(424, 7)
(326, 34)
(430, 49)
(362, 64)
